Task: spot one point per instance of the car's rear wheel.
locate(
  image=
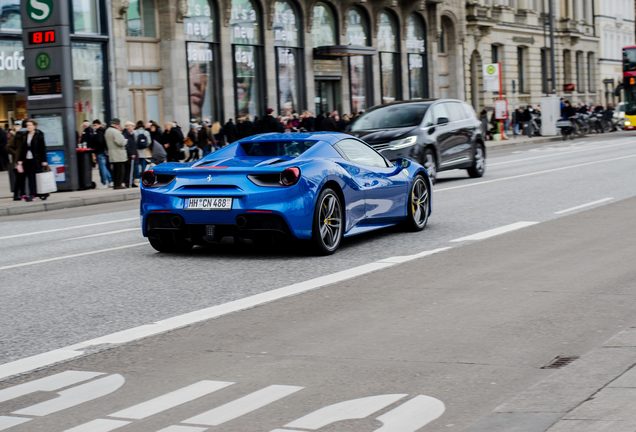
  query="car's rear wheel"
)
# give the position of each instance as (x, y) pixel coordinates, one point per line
(328, 223)
(478, 167)
(170, 242)
(430, 163)
(419, 205)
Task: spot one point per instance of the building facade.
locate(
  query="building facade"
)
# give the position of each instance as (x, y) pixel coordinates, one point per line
(516, 34)
(615, 26)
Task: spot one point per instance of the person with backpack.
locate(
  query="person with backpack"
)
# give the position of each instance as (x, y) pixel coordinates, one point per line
(144, 150)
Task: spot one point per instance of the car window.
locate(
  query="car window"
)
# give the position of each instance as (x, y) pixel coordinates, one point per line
(455, 111)
(392, 116)
(276, 148)
(360, 153)
(439, 111)
(470, 112)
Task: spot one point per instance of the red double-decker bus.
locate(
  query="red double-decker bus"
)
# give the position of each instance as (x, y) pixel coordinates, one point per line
(629, 86)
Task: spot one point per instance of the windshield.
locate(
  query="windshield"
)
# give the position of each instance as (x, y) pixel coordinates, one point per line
(276, 148)
(392, 116)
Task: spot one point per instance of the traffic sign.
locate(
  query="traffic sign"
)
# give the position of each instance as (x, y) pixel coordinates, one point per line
(39, 10)
(491, 77)
(43, 61)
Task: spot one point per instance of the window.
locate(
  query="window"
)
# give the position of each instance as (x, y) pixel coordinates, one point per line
(442, 41)
(86, 17)
(360, 153)
(360, 79)
(567, 67)
(392, 116)
(494, 50)
(10, 20)
(580, 84)
(141, 19)
(522, 64)
(202, 53)
(12, 75)
(440, 112)
(323, 29)
(417, 61)
(388, 47)
(289, 57)
(247, 50)
(545, 71)
(88, 78)
(456, 111)
(591, 79)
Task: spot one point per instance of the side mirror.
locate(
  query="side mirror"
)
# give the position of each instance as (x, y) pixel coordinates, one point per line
(405, 163)
(400, 164)
(442, 120)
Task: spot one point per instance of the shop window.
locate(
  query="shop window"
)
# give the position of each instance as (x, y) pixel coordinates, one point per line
(11, 64)
(417, 61)
(360, 70)
(88, 78)
(200, 24)
(141, 20)
(289, 57)
(10, 20)
(247, 55)
(388, 47)
(86, 16)
(323, 29)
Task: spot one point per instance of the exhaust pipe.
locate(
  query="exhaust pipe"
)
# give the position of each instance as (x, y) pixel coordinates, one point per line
(176, 222)
(241, 221)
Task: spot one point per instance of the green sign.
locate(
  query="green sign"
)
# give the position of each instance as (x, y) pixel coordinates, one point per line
(491, 69)
(43, 61)
(39, 10)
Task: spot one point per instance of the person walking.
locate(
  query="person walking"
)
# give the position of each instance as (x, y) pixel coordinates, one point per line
(32, 158)
(132, 153)
(13, 148)
(116, 145)
(99, 148)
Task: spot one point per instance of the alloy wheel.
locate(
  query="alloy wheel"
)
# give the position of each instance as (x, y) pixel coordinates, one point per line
(330, 221)
(419, 202)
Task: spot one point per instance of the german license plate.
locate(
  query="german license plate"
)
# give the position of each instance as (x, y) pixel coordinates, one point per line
(209, 203)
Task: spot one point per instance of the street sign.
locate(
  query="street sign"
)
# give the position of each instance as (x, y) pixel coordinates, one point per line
(491, 77)
(46, 36)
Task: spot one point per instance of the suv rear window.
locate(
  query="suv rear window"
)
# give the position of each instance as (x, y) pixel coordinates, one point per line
(392, 116)
(276, 148)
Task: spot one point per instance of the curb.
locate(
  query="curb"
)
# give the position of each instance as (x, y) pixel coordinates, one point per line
(513, 142)
(68, 203)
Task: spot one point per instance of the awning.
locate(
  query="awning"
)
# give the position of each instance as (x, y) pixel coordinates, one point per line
(337, 51)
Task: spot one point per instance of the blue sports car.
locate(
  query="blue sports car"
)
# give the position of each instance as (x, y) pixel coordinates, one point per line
(318, 187)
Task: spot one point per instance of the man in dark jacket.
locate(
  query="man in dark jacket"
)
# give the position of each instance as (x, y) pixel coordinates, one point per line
(172, 141)
(98, 144)
(4, 155)
(269, 124)
(229, 131)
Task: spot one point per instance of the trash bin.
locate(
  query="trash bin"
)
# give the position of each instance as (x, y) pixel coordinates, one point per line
(85, 168)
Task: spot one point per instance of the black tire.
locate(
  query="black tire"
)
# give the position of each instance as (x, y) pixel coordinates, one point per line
(418, 205)
(478, 167)
(328, 223)
(170, 243)
(429, 162)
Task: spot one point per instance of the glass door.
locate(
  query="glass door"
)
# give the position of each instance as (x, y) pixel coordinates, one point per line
(328, 96)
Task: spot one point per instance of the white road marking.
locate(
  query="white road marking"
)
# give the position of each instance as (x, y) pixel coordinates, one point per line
(348, 410)
(77, 255)
(535, 173)
(7, 422)
(412, 415)
(75, 396)
(242, 406)
(104, 234)
(47, 384)
(100, 425)
(582, 206)
(68, 228)
(171, 400)
(495, 231)
(184, 429)
(49, 358)
(560, 152)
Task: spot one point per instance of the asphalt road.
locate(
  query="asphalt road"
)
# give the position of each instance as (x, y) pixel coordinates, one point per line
(469, 326)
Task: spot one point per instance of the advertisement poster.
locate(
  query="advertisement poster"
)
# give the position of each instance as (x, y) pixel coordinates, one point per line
(56, 161)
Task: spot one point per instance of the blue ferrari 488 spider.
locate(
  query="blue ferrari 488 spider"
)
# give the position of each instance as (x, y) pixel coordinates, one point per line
(318, 187)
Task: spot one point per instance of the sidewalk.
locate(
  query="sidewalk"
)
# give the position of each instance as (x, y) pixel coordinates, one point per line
(61, 200)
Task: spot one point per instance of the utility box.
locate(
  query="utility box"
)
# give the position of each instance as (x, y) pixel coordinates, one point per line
(550, 114)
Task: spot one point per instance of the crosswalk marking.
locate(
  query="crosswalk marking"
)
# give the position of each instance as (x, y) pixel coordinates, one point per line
(242, 406)
(50, 383)
(183, 429)
(7, 422)
(171, 400)
(100, 425)
(412, 415)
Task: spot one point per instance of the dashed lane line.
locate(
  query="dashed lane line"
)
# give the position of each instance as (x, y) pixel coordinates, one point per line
(495, 231)
(74, 227)
(582, 206)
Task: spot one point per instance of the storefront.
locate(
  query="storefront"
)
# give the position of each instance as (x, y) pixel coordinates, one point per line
(12, 96)
(202, 48)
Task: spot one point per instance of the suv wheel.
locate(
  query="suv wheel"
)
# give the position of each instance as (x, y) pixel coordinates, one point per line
(478, 167)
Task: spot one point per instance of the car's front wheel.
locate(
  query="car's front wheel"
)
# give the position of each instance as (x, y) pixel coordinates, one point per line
(170, 242)
(478, 168)
(419, 205)
(328, 223)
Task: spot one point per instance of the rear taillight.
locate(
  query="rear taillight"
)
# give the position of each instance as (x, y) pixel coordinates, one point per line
(290, 176)
(148, 178)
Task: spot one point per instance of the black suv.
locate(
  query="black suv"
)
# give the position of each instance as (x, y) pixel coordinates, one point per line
(440, 134)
